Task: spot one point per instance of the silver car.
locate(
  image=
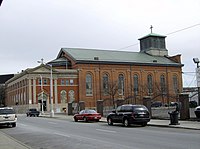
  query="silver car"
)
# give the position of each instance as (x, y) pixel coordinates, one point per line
(8, 116)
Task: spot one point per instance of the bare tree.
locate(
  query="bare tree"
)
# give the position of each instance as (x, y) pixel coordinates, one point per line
(111, 90)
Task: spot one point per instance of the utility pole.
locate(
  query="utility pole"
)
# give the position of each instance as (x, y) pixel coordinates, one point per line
(196, 60)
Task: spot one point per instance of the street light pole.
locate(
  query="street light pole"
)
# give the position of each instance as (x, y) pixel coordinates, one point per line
(42, 94)
(51, 93)
(196, 60)
(51, 89)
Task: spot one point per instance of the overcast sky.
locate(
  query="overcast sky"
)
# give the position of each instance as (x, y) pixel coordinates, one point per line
(35, 29)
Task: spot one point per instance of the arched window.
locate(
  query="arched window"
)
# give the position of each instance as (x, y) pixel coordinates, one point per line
(135, 84)
(105, 84)
(175, 84)
(63, 96)
(150, 84)
(121, 84)
(162, 84)
(71, 96)
(88, 85)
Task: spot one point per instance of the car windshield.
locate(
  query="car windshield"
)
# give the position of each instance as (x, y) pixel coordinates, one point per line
(6, 111)
(32, 110)
(90, 111)
(139, 108)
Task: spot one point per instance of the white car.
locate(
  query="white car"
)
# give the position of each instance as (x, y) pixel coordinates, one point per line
(197, 112)
(8, 116)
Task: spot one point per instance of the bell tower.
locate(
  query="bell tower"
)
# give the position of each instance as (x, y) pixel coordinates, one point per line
(153, 44)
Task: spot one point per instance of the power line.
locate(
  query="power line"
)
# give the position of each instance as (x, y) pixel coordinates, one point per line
(128, 46)
(184, 29)
(166, 34)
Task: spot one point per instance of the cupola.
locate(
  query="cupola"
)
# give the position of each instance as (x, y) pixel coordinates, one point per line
(153, 44)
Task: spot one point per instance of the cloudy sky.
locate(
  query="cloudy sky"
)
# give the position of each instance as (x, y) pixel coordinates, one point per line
(35, 29)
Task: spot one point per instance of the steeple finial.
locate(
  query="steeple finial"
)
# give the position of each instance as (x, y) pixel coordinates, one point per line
(42, 61)
(151, 28)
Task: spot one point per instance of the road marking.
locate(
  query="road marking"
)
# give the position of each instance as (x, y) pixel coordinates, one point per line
(103, 130)
(52, 123)
(61, 134)
(22, 124)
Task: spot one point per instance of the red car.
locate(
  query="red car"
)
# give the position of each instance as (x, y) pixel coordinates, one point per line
(87, 115)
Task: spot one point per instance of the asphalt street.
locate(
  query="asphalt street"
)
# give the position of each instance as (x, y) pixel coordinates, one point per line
(46, 133)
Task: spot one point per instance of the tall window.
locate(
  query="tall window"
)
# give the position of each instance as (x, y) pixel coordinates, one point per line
(162, 84)
(121, 84)
(39, 81)
(63, 96)
(175, 83)
(135, 84)
(150, 84)
(71, 96)
(105, 84)
(88, 84)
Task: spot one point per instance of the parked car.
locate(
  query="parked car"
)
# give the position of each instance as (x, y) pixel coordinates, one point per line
(193, 104)
(87, 115)
(156, 104)
(129, 114)
(197, 112)
(8, 116)
(32, 112)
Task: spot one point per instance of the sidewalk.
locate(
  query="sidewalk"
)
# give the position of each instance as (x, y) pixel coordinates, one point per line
(7, 142)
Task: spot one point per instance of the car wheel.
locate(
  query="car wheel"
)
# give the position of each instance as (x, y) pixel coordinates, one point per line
(144, 124)
(75, 119)
(110, 122)
(85, 119)
(126, 122)
(37, 115)
(13, 124)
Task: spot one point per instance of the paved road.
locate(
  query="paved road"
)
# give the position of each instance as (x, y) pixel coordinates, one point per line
(45, 133)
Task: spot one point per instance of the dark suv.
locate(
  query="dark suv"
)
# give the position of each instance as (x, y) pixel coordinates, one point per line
(129, 114)
(32, 112)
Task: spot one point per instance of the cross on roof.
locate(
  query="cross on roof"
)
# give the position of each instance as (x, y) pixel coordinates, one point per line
(151, 28)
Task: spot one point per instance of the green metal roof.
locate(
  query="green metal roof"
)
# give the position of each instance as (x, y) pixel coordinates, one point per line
(110, 56)
(152, 35)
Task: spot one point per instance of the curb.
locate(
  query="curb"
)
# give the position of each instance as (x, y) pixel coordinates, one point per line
(16, 141)
(149, 124)
(172, 126)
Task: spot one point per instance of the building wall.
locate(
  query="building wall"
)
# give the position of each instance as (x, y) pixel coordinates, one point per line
(113, 71)
(26, 90)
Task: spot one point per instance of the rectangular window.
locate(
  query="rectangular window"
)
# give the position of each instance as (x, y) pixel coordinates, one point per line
(67, 82)
(45, 81)
(71, 82)
(39, 81)
(62, 82)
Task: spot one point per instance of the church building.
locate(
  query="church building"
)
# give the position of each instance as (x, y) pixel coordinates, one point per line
(91, 75)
